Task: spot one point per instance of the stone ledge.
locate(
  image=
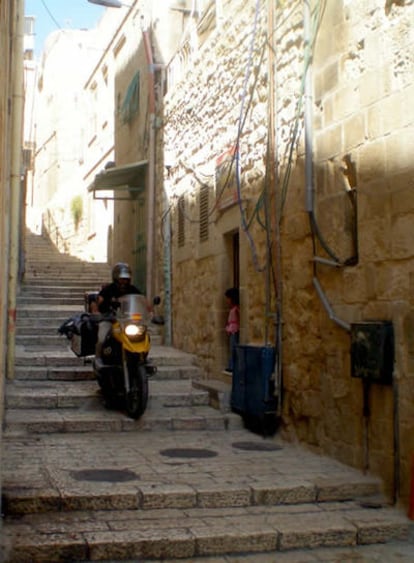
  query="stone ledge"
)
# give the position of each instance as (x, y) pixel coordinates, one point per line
(218, 390)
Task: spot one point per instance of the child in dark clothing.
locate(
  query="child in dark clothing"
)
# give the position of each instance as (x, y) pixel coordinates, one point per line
(233, 323)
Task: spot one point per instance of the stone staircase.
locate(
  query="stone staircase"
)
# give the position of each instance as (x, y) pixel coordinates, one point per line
(82, 483)
(52, 385)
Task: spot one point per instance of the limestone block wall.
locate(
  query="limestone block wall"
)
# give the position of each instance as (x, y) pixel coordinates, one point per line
(362, 142)
(5, 141)
(361, 138)
(202, 119)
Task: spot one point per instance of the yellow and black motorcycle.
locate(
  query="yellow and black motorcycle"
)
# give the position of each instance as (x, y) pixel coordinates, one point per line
(122, 368)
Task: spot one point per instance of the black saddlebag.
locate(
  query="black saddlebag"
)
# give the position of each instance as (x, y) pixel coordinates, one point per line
(82, 331)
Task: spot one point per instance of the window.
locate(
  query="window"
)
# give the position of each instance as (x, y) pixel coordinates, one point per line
(130, 104)
(203, 202)
(119, 45)
(105, 74)
(29, 25)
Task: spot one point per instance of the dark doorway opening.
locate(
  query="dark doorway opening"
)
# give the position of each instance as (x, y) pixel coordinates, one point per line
(235, 259)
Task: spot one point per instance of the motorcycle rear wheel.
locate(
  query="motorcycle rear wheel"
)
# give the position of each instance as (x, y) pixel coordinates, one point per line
(137, 397)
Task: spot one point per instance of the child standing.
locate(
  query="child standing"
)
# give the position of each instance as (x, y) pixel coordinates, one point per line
(233, 323)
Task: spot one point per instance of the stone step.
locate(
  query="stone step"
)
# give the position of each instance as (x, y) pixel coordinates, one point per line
(49, 261)
(84, 283)
(122, 497)
(38, 340)
(173, 470)
(77, 300)
(46, 311)
(27, 329)
(55, 291)
(83, 371)
(131, 535)
(219, 392)
(91, 418)
(67, 277)
(69, 273)
(43, 316)
(160, 355)
(58, 394)
(80, 372)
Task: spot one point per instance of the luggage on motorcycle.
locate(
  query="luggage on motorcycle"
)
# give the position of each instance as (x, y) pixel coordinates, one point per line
(84, 340)
(90, 298)
(82, 331)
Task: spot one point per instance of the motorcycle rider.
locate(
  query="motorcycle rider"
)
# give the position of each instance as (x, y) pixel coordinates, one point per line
(121, 285)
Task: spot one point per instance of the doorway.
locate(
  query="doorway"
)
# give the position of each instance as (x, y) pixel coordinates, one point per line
(235, 259)
(140, 245)
(231, 278)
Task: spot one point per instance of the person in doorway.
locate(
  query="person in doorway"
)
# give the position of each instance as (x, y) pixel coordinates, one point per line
(109, 294)
(233, 323)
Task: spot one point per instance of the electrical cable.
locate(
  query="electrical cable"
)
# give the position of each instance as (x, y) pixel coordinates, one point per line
(315, 229)
(52, 17)
(242, 120)
(236, 158)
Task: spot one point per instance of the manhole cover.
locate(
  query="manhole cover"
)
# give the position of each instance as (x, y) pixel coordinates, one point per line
(188, 453)
(371, 504)
(110, 475)
(256, 447)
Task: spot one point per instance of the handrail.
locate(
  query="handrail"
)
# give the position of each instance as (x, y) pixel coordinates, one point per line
(55, 232)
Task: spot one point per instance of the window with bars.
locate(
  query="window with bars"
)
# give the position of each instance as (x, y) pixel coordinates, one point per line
(181, 222)
(203, 202)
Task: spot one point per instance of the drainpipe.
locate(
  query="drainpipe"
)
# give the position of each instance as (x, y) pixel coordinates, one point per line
(308, 111)
(276, 211)
(167, 268)
(15, 176)
(310, 187)
(151, 165)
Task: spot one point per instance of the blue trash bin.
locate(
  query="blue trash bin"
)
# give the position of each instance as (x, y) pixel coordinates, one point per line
(252, 394)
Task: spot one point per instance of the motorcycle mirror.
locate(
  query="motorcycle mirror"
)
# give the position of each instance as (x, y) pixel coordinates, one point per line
(156, 300)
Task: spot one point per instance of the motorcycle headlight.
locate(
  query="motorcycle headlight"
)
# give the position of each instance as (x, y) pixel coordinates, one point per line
(135, 332)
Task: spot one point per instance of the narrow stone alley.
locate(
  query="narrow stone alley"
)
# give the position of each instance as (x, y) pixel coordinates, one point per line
(186, 481)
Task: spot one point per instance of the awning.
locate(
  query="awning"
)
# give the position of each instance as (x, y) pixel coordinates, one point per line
(130, 177)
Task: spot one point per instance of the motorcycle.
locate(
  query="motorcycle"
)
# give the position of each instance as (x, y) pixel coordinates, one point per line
(122, 369)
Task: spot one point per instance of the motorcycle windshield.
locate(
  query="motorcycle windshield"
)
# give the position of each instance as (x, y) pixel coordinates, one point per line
(134, 306)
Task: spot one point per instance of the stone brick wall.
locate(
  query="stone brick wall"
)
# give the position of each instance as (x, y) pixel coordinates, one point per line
(202, 116)
(363, 83)
(5, 142)
(362, 142)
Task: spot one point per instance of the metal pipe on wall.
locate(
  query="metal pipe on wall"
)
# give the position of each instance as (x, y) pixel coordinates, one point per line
(17, 108)
(151, 165)
(308, 110)
(167, 272)
(308, 131)
(5, 92)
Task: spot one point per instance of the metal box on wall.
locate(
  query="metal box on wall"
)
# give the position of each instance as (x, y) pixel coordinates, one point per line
(372, 351)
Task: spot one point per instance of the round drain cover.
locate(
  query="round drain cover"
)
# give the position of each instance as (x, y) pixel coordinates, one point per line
(188, 453)
(256, 447)
(110, 475)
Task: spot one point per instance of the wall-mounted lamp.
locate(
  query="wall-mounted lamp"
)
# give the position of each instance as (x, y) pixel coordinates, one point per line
(109, 3)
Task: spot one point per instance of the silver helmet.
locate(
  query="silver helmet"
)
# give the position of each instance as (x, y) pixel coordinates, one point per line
(121, 270)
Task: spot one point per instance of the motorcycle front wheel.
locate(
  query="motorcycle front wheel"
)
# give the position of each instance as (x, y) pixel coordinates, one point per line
(137, 397)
